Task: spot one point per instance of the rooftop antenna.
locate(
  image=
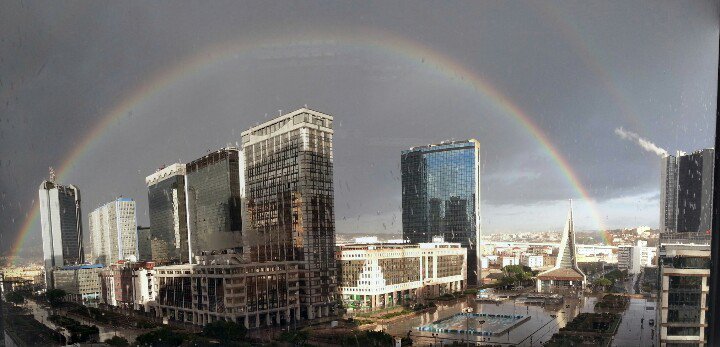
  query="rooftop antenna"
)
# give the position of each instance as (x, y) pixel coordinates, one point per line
(52, 175)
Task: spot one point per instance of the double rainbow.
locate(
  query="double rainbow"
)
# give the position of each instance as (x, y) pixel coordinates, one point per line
(384, 42)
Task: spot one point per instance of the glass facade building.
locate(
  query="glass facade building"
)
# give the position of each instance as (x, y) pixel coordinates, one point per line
(441, 196)
(686, 192)
(168, 215)
(695, 191)
(288, 202)
(213, 202)
(61, 222)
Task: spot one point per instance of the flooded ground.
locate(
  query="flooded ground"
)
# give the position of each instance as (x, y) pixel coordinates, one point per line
(41, 314)
(543, 323)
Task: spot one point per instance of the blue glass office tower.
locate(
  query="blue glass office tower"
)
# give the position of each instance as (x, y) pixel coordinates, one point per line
(441, 196)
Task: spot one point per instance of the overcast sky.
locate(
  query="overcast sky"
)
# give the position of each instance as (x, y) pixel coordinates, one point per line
(188, 77)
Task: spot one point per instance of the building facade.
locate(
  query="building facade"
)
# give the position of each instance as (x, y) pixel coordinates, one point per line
(223, 287)
(144, 235)
(289, 203)
(686, 192)
(668, 193)
(128, 285)
(684, 288)
(695, 191)
(168, 215)
(113, 232)
(532, 261)
(383, 275)
(61, 222)
(634, 258)
(441, 196)
(81, 282)
(212, 195)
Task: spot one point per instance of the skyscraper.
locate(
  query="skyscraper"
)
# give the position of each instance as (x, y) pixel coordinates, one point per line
(288, 201)
(695, 191)
(113, 232)
(168, 215)
(441, 196)
(144, 243)
(686, 192)
(668, 193)
(61, 221)
(212, 194)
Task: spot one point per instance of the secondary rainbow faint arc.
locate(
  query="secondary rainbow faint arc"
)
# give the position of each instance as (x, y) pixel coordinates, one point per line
(383, 41)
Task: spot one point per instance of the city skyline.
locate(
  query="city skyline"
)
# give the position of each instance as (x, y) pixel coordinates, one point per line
(523, 177)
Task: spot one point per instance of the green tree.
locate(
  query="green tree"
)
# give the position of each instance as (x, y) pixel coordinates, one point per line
(225, 331)
(15, 297)
(162, 337)
(117, 341)
(55, 297)
(602, 282)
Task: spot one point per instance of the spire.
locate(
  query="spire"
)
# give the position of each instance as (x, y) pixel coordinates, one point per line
(567, 256)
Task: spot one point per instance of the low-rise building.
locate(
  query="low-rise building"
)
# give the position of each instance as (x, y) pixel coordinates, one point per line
(222, 287)
(633, 258)
(378, 275)
(510, 260)
(80, 282)
(532, 261)
(128, 285)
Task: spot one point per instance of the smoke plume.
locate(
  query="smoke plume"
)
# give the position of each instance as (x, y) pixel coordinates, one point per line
(643, 142)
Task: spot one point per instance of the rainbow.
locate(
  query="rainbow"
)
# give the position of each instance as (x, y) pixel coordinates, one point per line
(384, 41)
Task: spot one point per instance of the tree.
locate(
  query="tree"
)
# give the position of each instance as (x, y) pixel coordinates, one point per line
(162, 337)
(55, 296)
(602, 282)
(225, 331)
(15, 297)
(117, 341)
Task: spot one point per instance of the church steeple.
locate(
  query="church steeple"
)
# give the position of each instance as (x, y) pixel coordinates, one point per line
(567, 258)
(566, 272)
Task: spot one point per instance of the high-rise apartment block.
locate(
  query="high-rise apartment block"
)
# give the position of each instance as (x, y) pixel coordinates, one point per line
(61, 221)
(113, 232)
(441, 197)
(684, 288)
(212, 192)
(168, 215)
(288, 213)
(686, 192)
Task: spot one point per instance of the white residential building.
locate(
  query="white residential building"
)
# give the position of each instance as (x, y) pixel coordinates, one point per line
(532, 261)
(377, 275)
(113, 232)
(128, 285)
(507, 260)
(634, 258)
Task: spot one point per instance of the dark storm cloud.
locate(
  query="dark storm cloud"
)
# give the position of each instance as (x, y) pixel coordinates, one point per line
(578, 70)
